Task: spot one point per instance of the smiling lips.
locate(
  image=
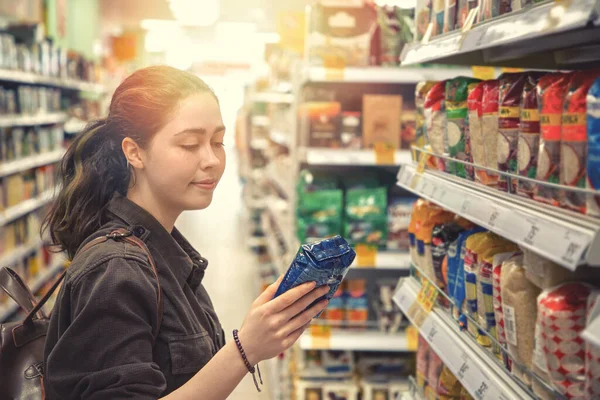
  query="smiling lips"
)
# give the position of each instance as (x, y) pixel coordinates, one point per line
(206, 184)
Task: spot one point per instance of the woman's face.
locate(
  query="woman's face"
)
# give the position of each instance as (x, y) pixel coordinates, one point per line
(186, 159)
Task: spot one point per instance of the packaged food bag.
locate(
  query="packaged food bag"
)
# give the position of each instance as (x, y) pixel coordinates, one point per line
(563, 312)
(472, 248)
(456, 271)
(325, 262)
(443, 236)
(474, 123)
(415, 222)
(450, 10)
(489, 125)
(422, 18)
(573, 152)
(319, 214)
(498, 261)
(398, 220)
(435, 216)
(546, 274)
(357, 303)
(457, 133)
(592, 364)
(529, 137)
(435, 122)
(448, 387)
(366, 216)
(551, 90)
(433, 374)
(593, 152)
(334, 313)
(423, 352)
(520, 311)
(421, 130)
(464, 8)
(437, 17)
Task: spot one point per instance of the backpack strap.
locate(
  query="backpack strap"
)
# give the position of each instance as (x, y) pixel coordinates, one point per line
(14, 286)
(117, 235)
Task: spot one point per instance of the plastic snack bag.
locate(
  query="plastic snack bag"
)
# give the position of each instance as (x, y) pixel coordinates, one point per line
(325, 262)
(593, 152)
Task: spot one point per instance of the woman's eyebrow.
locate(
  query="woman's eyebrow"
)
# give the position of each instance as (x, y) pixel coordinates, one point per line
(201, 131)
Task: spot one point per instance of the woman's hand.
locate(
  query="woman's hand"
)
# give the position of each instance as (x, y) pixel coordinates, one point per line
(274, 325)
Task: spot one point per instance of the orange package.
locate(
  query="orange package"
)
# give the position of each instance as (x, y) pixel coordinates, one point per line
(434, 216)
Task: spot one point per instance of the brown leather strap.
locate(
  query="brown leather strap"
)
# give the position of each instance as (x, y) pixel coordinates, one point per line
(14, 286)
(46, 297)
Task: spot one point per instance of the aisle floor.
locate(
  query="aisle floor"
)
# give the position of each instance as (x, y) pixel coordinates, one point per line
(218, 233)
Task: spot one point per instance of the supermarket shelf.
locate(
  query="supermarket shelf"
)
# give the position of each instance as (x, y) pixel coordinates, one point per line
(273, 97)
(26, 77)
(560, 36)
(388, 260)
(53, 270)
(472, 365)
(382, 74)
(564, 237)
(31, 120)
(261, 120)
(274, 174)
(19, 252)
(356, 341)
(27, 206)
(26, 163)
(280, 212)
(324, 156)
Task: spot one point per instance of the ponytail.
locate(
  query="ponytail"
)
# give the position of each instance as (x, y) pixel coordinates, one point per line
(95, 168)
(92, 170)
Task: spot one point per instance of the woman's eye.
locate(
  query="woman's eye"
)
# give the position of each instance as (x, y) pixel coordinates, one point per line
(190, 146)
(219, 144)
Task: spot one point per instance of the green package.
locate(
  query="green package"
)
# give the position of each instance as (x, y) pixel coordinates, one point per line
(319, 214)
(366, 216)
(457, 128)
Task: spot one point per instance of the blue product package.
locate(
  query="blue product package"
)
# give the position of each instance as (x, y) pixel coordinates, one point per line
(593, 152)
(325, 262)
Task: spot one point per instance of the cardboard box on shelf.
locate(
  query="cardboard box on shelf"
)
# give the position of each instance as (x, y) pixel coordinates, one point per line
(382, 120)
(320, 124)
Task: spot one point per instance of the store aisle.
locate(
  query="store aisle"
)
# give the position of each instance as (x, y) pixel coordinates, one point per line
(231, 279)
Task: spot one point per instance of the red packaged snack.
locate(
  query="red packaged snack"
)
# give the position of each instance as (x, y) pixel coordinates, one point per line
(435, 121)
(474, 120)
(529, 137)
(551, 91)
(573, 152)
(489, 125)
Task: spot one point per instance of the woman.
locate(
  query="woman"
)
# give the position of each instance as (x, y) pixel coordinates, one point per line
(158, 153)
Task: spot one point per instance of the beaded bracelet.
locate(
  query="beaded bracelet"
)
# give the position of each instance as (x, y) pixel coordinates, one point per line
(251, 369)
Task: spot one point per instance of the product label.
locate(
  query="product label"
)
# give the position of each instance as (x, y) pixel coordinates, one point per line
(530, 115)
(510, 325)
(574, 127)
(550, 125)
(510, 112)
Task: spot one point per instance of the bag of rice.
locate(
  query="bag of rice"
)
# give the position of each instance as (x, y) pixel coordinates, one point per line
(435, 122)
(593, 153)
(423, 351)
(474, 121)
(551, 90)
(573, 150)
(456, 272)
(592, 365)
(489, 126)
(545, 274)
(498, 261)
(520, 311)
(563, 312)
(420, 135)
(457, 132)
(529, 137)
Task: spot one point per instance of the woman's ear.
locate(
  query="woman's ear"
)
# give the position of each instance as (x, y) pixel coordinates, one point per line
(133, 153)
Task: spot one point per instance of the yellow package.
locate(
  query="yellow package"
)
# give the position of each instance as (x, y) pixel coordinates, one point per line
(414, 225)
(448, 385)
(435, 216)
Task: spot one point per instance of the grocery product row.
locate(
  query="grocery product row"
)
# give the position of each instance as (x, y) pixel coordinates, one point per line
(518, 308)
(524, 133)
(21, 50)
(17, 143)
(356, 206)
(327, 374)
(26, 99)
(16, 189)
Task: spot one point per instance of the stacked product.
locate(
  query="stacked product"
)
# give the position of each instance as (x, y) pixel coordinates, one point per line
(26, 185)
(542, 127)
(21, 142)
(358, 208)
(357, 34)
(357, 305)
(345, 375)
(524, 309)
(386, 119)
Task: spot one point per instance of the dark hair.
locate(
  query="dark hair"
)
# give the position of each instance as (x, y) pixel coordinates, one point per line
(94, 167)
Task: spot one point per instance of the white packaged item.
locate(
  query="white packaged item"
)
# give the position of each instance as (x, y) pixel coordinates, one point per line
(546, 274)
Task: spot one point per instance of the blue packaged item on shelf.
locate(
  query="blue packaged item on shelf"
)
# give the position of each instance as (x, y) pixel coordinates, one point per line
(325, 262)
(593, 152)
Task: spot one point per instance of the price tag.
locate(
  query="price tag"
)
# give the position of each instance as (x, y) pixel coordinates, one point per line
(494, 217)
(464, 208)
(483, 73)
(412, 338)
(320, 336)
(575, 244)
(427, 296)
(532, 232)
(511, 70)
(366, 255)
(334, 67)
(385, 154)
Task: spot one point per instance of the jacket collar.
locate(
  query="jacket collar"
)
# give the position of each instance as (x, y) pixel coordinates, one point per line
(178, 254)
